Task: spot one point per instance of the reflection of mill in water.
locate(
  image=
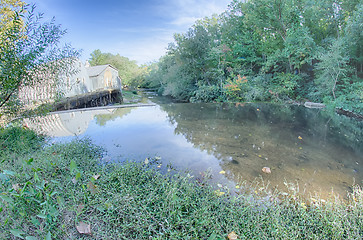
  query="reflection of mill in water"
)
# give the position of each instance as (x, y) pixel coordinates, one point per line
(73, 123)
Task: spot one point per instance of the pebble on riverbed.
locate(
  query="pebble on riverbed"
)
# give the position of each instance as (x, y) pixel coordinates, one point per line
(266, 170)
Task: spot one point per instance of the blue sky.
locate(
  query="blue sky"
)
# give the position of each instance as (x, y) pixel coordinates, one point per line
(137, 29)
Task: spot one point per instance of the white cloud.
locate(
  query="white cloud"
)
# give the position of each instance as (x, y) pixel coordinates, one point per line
(182, 14)
(143, 42)
(184, 21)
(185, 12)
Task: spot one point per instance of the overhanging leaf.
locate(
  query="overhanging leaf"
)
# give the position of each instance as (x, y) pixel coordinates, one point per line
(17, 233)
(29, 162)
(78, 176)
(49, 236)
(31, 238)
(9, 173)
(73, 166)
(6, 199)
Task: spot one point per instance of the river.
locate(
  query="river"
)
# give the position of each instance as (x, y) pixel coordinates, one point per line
(309, 150)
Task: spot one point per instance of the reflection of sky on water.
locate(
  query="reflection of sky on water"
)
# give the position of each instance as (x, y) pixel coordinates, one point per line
(146, 132)
(239, 140)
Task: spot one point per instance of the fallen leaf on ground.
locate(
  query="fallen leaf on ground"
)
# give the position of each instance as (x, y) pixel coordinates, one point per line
(266, 170)
(222, 172)
(219, 193)
(83, 228)
(92, 188)
(237, 187)
(232, 236)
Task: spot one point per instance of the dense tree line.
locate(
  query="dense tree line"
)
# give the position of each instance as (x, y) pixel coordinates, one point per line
(264, 50)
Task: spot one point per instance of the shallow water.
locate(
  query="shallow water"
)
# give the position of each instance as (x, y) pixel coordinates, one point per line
(321, 152)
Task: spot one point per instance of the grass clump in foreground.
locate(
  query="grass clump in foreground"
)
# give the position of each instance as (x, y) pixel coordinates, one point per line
(61, 191)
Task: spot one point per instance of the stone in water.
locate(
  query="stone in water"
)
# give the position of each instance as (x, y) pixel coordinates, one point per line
(266, 170)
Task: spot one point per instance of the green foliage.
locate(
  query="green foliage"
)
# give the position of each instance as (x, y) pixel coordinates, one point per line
(332, 68)
(300, 48)
(351, 98)
(129, 71)
(48, 195)
(37, 183)
(18, 141)
(283, 86)
(353, 38)
(29, 50)
(207, 93)
(288, 49)
(97, 58)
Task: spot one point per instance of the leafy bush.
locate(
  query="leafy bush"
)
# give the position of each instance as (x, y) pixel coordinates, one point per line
(207, 93)
(36, 191)
(351, 98)
(62, 192)
(283, 85)
(236, 88)
(18, 141)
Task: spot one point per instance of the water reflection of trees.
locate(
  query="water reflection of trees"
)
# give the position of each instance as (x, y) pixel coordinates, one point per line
(247, 137)
(207, 121)
(102, 119)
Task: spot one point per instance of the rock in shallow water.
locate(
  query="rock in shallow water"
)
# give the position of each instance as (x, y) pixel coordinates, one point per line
(266, 170)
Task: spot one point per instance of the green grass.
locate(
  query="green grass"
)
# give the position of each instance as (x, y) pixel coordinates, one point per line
(46, 190)
(130, 97)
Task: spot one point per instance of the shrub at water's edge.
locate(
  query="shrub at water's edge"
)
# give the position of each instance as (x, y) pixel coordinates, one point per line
(263, 50)
(62, 191)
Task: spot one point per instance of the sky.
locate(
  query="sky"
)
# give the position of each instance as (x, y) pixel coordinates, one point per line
(137, 29)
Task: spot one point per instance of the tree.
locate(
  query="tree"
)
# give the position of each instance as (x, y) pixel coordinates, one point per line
(7, 11)
(97, 58)
(353, 36)
(269, 50)
(29, 50)
(332, 68)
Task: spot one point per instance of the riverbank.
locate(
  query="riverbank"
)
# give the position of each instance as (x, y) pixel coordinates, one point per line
(61, 191)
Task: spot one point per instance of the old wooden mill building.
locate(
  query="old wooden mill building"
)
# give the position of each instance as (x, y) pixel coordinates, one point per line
(86, 87)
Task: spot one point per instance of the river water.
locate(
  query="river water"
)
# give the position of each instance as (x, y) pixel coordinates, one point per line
(316, 151)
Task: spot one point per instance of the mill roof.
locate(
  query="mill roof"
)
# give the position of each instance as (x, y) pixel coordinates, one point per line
(97, 70)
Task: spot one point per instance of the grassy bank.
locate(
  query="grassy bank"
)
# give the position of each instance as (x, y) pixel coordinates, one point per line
(61, 191)
(130, 97)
